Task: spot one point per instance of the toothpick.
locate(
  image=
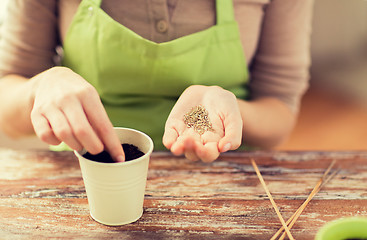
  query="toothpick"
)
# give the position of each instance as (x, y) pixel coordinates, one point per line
(271, 199)
(300, 210)
(292, 220)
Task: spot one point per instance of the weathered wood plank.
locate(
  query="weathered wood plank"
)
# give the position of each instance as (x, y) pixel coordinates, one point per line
(42, 196)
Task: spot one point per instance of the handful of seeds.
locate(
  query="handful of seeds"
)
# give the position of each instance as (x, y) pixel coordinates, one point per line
(198, 118)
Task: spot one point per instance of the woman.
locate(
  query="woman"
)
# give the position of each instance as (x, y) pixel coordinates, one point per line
(147, 64)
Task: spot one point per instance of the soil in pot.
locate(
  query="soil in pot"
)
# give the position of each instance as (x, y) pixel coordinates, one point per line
(131, 152)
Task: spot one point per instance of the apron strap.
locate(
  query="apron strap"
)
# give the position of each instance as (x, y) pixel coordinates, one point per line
(97, 2)
(225, 11)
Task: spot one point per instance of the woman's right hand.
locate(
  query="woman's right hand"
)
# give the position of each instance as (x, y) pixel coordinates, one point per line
(66, 108)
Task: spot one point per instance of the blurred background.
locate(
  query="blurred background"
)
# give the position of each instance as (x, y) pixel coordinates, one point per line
(334, 110)
(333, 113)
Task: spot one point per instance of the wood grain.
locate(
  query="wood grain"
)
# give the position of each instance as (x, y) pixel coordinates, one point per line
(42, 196)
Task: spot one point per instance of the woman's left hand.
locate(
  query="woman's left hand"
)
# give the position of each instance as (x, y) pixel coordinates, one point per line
(223, 113)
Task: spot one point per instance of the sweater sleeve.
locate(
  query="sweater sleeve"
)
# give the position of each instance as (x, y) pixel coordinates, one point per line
(28, 37)
(280, 67)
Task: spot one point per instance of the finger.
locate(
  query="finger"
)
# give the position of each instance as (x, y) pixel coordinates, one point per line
(174, 127)
(232, 134)
(208, 152)
(169, 137)
(43, 130)
(191, 155)
(99, 121)
(190, 152)
(210, 136)
(62, 129)
(185, 137)
(81, 127)
(178, 147)
(207, 139)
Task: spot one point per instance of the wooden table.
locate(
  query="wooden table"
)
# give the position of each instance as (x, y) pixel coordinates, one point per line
(42, 196)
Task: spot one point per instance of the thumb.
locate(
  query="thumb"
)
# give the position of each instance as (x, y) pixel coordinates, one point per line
(232, 135)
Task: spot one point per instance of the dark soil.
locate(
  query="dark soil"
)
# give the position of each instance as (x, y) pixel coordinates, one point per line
(131, 152)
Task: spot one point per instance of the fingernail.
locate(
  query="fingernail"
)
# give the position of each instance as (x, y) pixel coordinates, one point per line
(120, 158)
(226, 147)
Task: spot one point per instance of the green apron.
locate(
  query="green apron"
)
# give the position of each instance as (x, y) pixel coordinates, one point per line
(138, 80)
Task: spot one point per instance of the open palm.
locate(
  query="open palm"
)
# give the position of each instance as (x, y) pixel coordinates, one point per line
(221, 132)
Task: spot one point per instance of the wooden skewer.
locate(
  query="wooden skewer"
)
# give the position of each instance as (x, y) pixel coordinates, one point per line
(271, 199)
(329, 178)
(300, 210)
(292, 220)
(316, 189)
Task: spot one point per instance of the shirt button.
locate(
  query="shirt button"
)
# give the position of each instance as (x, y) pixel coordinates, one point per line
(162, 26)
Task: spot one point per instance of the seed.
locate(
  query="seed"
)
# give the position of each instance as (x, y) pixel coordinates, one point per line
(198, 119)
